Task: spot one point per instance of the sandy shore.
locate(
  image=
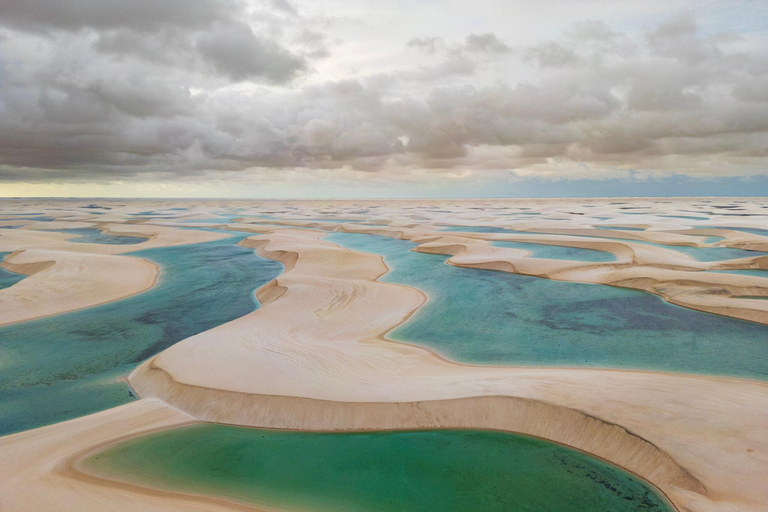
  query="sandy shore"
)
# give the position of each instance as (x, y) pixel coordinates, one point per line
(66, 276)
(39, 468)
(700, 440)
(674, 276)
(314, 357)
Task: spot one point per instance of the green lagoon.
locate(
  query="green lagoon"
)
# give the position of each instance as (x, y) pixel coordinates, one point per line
(393, 471)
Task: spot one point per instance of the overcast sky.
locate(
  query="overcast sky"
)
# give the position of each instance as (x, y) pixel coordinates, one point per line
(372, 98)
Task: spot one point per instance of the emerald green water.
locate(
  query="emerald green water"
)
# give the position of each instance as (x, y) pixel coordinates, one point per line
(8, 278)
(487, 317)
(558, 252)
(65, 366)
(434, 470)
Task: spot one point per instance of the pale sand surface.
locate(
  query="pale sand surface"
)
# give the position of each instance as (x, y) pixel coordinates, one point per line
(39, 472)
(67, 276)
(313, 358)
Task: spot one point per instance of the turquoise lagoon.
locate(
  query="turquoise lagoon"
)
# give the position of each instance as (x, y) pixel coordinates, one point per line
(697, 253)
(425, 471)
(559, 252)
(487, 317)
(66, 366)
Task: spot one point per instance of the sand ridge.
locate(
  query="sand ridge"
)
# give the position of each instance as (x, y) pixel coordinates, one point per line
(699, 439)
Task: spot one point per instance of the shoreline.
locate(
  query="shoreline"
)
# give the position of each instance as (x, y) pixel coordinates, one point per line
(706, 425)
(75, 463)
(64, 277)
(219, 403)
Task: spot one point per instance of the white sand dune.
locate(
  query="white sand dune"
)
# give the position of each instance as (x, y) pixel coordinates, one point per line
(313, 358)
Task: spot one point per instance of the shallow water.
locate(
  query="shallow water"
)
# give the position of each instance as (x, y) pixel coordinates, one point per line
(619, 228)
(558, 252)
(746, 272)
(475, 229)
(8, 278)
(488, 317)
(697, 253)
(754, 231)
(433, 470)
(95, 236)
(66, 366)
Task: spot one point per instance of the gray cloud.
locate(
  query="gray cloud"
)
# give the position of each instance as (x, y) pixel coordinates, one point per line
(485, 43)
(552, 55)
(235, 51)
(144, 15)
(127, 97)
(426, 44)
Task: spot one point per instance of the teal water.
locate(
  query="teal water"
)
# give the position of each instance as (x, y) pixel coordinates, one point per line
(8, 278)
(755, 231)
(95, 236)
(425, 471)
(714, 253)
(486, 317)
(557, 252)
(697, 253)
(221, 219)
(620, 228)
(690, 217)
(39, 219)
(746, 272)
(65, 366)
(475, 229)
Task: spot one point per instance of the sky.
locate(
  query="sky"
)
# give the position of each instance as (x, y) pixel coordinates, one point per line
(364, 98)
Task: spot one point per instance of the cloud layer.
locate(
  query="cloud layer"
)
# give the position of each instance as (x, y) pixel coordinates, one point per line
(104, 90)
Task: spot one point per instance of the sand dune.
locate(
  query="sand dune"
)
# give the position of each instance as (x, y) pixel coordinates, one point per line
(313, 358)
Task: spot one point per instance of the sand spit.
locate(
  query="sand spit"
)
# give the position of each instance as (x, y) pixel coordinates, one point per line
(66, 276)
(313, 358)
(39, 469)
(62, 281)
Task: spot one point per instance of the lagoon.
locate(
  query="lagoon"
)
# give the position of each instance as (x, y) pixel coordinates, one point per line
(428, 470)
